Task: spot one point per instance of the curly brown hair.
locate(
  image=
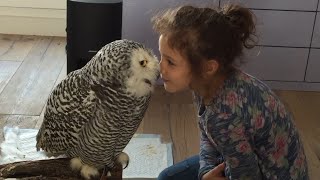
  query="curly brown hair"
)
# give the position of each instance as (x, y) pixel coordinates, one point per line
(208, 33)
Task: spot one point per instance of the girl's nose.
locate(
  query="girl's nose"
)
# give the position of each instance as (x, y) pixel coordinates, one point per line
(161, 67)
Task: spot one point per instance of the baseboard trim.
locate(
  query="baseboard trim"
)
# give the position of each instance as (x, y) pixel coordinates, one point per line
(47, 4)
(33, 21)
(296, 86)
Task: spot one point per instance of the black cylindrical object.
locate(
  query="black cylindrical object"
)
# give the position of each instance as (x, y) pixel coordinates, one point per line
(91, 24)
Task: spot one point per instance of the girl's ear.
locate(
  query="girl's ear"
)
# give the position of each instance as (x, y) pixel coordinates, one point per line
(211, 67)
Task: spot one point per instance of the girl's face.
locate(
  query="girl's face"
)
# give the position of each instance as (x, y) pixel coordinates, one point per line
(174, 69)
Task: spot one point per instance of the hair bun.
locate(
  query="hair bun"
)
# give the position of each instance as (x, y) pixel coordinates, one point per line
(243, 21)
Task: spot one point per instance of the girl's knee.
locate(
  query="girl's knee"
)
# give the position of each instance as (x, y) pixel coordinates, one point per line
(164, 175)
(185, 170)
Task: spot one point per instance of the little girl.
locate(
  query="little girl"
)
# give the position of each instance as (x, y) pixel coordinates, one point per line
(246, 131)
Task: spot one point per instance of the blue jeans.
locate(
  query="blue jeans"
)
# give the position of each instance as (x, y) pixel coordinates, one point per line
(185, 170)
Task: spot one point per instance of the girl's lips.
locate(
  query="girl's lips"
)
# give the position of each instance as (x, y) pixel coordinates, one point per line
(164, 80)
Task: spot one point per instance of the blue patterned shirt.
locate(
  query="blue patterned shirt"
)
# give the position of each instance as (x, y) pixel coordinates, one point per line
(250, 129)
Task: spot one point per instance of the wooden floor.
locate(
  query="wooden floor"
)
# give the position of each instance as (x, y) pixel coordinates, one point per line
(30, 66)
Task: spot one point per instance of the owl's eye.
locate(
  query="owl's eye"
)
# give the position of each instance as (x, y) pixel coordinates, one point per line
(143, 63)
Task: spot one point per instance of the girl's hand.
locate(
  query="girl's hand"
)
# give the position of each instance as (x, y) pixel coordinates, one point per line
(215, 173)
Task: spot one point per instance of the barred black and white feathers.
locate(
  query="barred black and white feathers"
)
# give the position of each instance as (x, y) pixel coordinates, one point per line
(93, 113)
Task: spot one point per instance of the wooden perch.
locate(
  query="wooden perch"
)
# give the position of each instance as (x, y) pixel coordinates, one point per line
(52, 169)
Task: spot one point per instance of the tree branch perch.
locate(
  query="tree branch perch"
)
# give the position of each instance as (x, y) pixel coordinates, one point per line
(50, 169)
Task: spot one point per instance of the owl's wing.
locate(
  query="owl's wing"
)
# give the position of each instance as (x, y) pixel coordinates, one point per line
(68, 108)
(105, 136)
(99, 136)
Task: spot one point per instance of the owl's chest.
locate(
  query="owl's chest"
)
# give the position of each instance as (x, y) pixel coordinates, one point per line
(125, 107)
(133, 111)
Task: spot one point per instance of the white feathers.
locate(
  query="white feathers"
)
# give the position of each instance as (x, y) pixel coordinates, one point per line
(89, 171)
(136, 84)
(123, 158)
(75, 164)
(85, 170)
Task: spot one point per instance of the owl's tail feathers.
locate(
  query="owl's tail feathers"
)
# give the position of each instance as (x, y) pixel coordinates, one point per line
(39, 139)
(123, 159)
(42, 145)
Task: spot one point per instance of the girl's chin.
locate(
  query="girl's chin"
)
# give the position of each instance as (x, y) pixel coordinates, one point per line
(171, 89)
(168, 88)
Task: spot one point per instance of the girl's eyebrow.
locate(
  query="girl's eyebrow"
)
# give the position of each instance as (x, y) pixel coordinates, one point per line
(168, 57)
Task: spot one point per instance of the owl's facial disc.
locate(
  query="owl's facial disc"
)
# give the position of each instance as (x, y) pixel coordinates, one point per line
(144, 72)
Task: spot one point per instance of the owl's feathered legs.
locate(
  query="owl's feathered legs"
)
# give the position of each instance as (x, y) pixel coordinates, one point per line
(89, 172)
(123, 159)
(86, 171)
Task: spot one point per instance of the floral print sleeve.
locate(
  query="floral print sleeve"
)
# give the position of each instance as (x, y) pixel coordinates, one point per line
(209, 156)
(249, 128)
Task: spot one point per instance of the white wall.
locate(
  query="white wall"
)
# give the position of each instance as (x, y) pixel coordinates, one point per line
(33, 17)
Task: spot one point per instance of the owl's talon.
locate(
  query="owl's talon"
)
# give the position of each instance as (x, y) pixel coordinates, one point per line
(106, 171)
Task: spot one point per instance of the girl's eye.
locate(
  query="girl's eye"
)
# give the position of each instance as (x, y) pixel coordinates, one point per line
(170, 62)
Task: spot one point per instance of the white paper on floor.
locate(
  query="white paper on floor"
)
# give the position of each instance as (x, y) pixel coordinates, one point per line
(148, 156)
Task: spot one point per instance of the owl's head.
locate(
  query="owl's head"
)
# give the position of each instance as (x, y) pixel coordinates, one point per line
(127, 65)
